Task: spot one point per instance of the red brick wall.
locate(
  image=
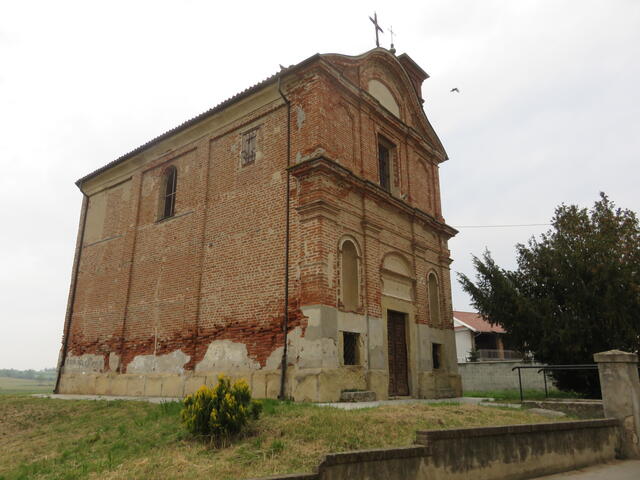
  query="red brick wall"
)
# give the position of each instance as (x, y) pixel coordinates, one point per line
(216, 269)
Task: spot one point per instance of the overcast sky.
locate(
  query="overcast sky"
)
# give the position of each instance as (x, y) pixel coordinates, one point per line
(548, 112)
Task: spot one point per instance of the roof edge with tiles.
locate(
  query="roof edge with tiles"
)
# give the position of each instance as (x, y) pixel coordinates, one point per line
(198, 118)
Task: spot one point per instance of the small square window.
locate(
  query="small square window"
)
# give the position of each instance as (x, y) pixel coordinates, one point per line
(350, 348)
(249, 140)
(436, 352)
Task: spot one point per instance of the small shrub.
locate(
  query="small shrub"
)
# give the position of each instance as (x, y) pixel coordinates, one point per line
(221, 412)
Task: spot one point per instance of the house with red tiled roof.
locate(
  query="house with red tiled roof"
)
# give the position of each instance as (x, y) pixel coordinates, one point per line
(479, 340)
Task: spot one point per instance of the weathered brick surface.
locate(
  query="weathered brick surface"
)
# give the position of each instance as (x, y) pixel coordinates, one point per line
(216, 269)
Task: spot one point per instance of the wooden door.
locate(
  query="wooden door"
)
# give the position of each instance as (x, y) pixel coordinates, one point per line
(397, 343)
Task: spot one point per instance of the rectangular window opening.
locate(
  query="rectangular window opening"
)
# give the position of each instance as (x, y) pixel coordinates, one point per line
(249, 147)
(170, 179)
(350, 348)
(383, 166)
(436, 351)
(386, 154)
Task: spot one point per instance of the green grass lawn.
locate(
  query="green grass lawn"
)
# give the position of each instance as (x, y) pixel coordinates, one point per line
(514, 395)
(43, 438)
(10, 385)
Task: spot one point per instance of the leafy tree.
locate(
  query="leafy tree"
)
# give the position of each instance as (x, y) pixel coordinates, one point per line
(575, 292)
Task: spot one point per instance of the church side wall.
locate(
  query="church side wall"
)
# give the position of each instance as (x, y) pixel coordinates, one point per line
(101, 283)
(164, 306)
(242, 294)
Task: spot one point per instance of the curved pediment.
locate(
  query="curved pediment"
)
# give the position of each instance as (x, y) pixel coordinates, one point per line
(383, 76)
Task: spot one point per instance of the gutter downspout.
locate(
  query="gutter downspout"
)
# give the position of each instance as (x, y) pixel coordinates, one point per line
(285, 325)
(72, 293)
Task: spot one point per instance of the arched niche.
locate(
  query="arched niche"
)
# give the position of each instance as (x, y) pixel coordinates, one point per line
(396, 276)
(380, 92)
(349, 274)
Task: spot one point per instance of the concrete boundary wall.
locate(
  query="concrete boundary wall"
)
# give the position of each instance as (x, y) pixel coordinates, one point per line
(520, 451)
(493, 453)
(483, 376)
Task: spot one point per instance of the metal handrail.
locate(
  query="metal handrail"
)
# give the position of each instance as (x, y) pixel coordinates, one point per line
(545, 369)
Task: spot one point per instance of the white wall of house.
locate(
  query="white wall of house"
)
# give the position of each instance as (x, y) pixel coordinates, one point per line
(464, 344)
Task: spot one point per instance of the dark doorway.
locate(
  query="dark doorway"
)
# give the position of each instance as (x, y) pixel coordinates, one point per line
(397, 342)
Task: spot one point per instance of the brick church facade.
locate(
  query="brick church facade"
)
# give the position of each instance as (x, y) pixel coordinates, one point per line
(316, 189)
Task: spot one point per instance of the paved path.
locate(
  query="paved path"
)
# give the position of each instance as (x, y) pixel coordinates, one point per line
(343, 405)
(401, 401)
(485, 402)
(618, 470)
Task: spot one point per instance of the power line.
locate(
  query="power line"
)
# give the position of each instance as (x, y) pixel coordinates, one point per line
(503, 226)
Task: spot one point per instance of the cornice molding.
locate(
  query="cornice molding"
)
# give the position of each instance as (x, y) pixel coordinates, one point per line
(371, 228)
(323, 164)
(419, 248)
(318, 208)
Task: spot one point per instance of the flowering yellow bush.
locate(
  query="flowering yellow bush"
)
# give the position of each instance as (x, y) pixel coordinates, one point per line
(220, 412)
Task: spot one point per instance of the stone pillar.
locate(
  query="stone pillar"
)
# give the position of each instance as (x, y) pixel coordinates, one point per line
(621, 395)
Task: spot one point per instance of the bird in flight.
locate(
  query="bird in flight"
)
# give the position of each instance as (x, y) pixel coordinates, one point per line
(455, 89)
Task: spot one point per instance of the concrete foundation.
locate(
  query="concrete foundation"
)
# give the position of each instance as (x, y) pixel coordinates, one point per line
(316, 372)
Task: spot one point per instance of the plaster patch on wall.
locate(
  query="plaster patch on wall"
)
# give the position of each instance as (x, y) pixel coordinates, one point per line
(322, 322)
(331, 269)
(84, 363)
(274, 361)
(114, 361)
(169, 363)
(300, 116)
(305, 353)
(225, 355)
(377, 352)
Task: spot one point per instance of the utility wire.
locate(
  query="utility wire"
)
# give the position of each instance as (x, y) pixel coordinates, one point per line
(502, 226)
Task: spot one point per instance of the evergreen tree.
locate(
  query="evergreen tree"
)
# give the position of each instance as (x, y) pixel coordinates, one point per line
(575, 292)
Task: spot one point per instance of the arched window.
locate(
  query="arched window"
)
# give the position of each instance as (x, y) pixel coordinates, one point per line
(434, 300)
(168, 200)
(350, 281)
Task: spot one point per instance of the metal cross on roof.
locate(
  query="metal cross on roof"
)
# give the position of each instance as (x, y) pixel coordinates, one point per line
(392, 33)
(374, 20)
